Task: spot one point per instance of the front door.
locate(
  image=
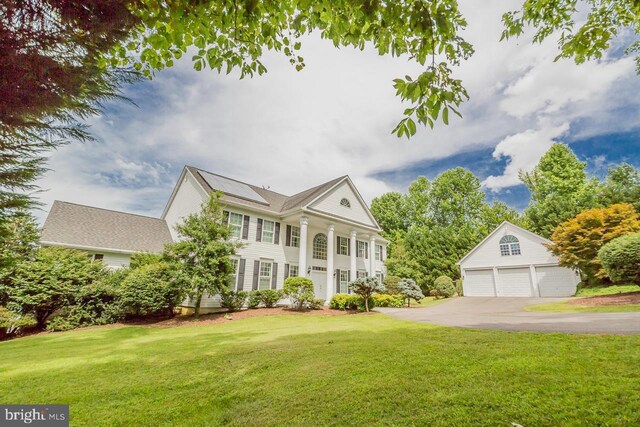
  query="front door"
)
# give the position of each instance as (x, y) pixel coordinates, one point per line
(319, 279)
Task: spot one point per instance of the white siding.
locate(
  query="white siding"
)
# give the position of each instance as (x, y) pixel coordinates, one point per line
(478, 283)
(556, 281)
(532, 249)
(188, 198)
(330, 204)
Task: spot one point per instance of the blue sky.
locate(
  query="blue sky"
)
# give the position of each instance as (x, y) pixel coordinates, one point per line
(291, 130)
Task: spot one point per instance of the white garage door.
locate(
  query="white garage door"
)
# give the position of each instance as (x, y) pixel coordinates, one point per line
(514, 282)
(478, 283)
(556, 281)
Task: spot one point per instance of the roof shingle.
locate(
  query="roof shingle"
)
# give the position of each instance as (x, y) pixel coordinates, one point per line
(79, 225)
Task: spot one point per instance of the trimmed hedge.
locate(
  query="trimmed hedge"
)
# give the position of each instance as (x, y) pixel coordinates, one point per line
(620, 259)
(356, 302)
(385, 300)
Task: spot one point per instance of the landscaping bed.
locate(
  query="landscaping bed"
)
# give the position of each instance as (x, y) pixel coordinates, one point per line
(613, 299)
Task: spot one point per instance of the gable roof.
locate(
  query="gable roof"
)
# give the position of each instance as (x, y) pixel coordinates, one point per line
(275, 202)
(542, 239)
(87, 227)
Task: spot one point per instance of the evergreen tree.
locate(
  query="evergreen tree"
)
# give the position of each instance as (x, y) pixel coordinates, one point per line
(203, 251)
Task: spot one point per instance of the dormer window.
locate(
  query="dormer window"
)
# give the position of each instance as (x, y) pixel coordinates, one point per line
(345, 202)
(509, 245)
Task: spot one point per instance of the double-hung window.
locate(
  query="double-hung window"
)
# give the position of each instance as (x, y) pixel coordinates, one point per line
(264, 282)
(234, 276)
(293, 271)
(344, 281)
(362, 249)
(268, 228)
(378, 252)
(235, 222)
(343, 246)
(295, 237)
(360, 274)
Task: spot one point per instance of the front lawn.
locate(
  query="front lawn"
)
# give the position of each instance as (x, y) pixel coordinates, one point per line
(564, 307)
(607, 290)
(325, 370)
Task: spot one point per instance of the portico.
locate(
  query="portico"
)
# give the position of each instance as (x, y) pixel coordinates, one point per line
(335, 253)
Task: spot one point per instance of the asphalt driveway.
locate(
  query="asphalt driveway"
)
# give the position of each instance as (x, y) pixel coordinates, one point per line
(507, 314)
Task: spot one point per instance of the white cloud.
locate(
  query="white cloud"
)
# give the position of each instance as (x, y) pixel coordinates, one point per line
(290, 130)
(523, 149)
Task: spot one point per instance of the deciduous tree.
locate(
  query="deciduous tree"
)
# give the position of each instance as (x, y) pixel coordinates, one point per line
(576, 242)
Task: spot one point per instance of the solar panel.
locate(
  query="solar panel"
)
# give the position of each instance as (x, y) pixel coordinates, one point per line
(231, 187)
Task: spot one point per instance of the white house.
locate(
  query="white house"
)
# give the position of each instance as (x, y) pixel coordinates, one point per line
(514, 262)
(107, 235)
(326, 233)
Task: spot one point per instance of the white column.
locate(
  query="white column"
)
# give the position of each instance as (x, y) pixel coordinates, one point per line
(330, 278)
(535, 291)
(353, 247)
(302, 255)
(372, 256)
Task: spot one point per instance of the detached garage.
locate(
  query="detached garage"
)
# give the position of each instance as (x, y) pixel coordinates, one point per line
(514, 262)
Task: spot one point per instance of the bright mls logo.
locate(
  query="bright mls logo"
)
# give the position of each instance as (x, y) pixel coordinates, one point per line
(34, 415)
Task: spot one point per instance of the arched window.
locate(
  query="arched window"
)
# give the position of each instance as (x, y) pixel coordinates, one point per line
(509, 245)
(345, 202)
(320, 246)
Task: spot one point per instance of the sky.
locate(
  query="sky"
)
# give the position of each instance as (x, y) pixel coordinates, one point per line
(290, 130)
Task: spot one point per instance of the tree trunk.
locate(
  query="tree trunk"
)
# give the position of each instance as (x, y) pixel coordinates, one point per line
(196, 312)
(366, 304)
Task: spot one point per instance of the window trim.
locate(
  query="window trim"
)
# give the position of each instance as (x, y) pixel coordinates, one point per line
(313, 247)
(509, 245)
(261, 276)
(234, 282)
(295, 239)
(364, 249)
(343, 243)
(297, 267)
(233, 226)
(344, 282)
(378, 252)
(344, 202)
(264, 230)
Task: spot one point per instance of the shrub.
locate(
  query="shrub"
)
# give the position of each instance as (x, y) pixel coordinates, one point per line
(342, 302)
(51, 281)
(409, 290)
(391, 284)
(365, 287)
(233, 300)
(316, 304)
(153, 289)
(254, 299)
(386, 300)
(576, 242)
(270, 297)
(299, 290)
(443, 288)
(140, 259)
(12, 323)
(621, 259)
(458, 285)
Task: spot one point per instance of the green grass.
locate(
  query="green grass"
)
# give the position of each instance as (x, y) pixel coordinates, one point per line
(427, 302)
(607, 290)
(365, 369)
(563, 307)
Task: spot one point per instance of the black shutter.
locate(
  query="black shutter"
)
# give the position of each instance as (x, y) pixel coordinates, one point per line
(287, 240)
(241, 267)
(338, 245)
(366, 250)
(349, 247)
(276, 238)
(286, 271)
(274, 276)
(381, 277)
(337, 281)
(256, 272)
(225, 215)
(245, 227)
(349, 279)
(259, 231)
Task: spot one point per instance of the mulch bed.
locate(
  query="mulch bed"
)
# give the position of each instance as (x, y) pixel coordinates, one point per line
(214, 318)
(615, 299)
